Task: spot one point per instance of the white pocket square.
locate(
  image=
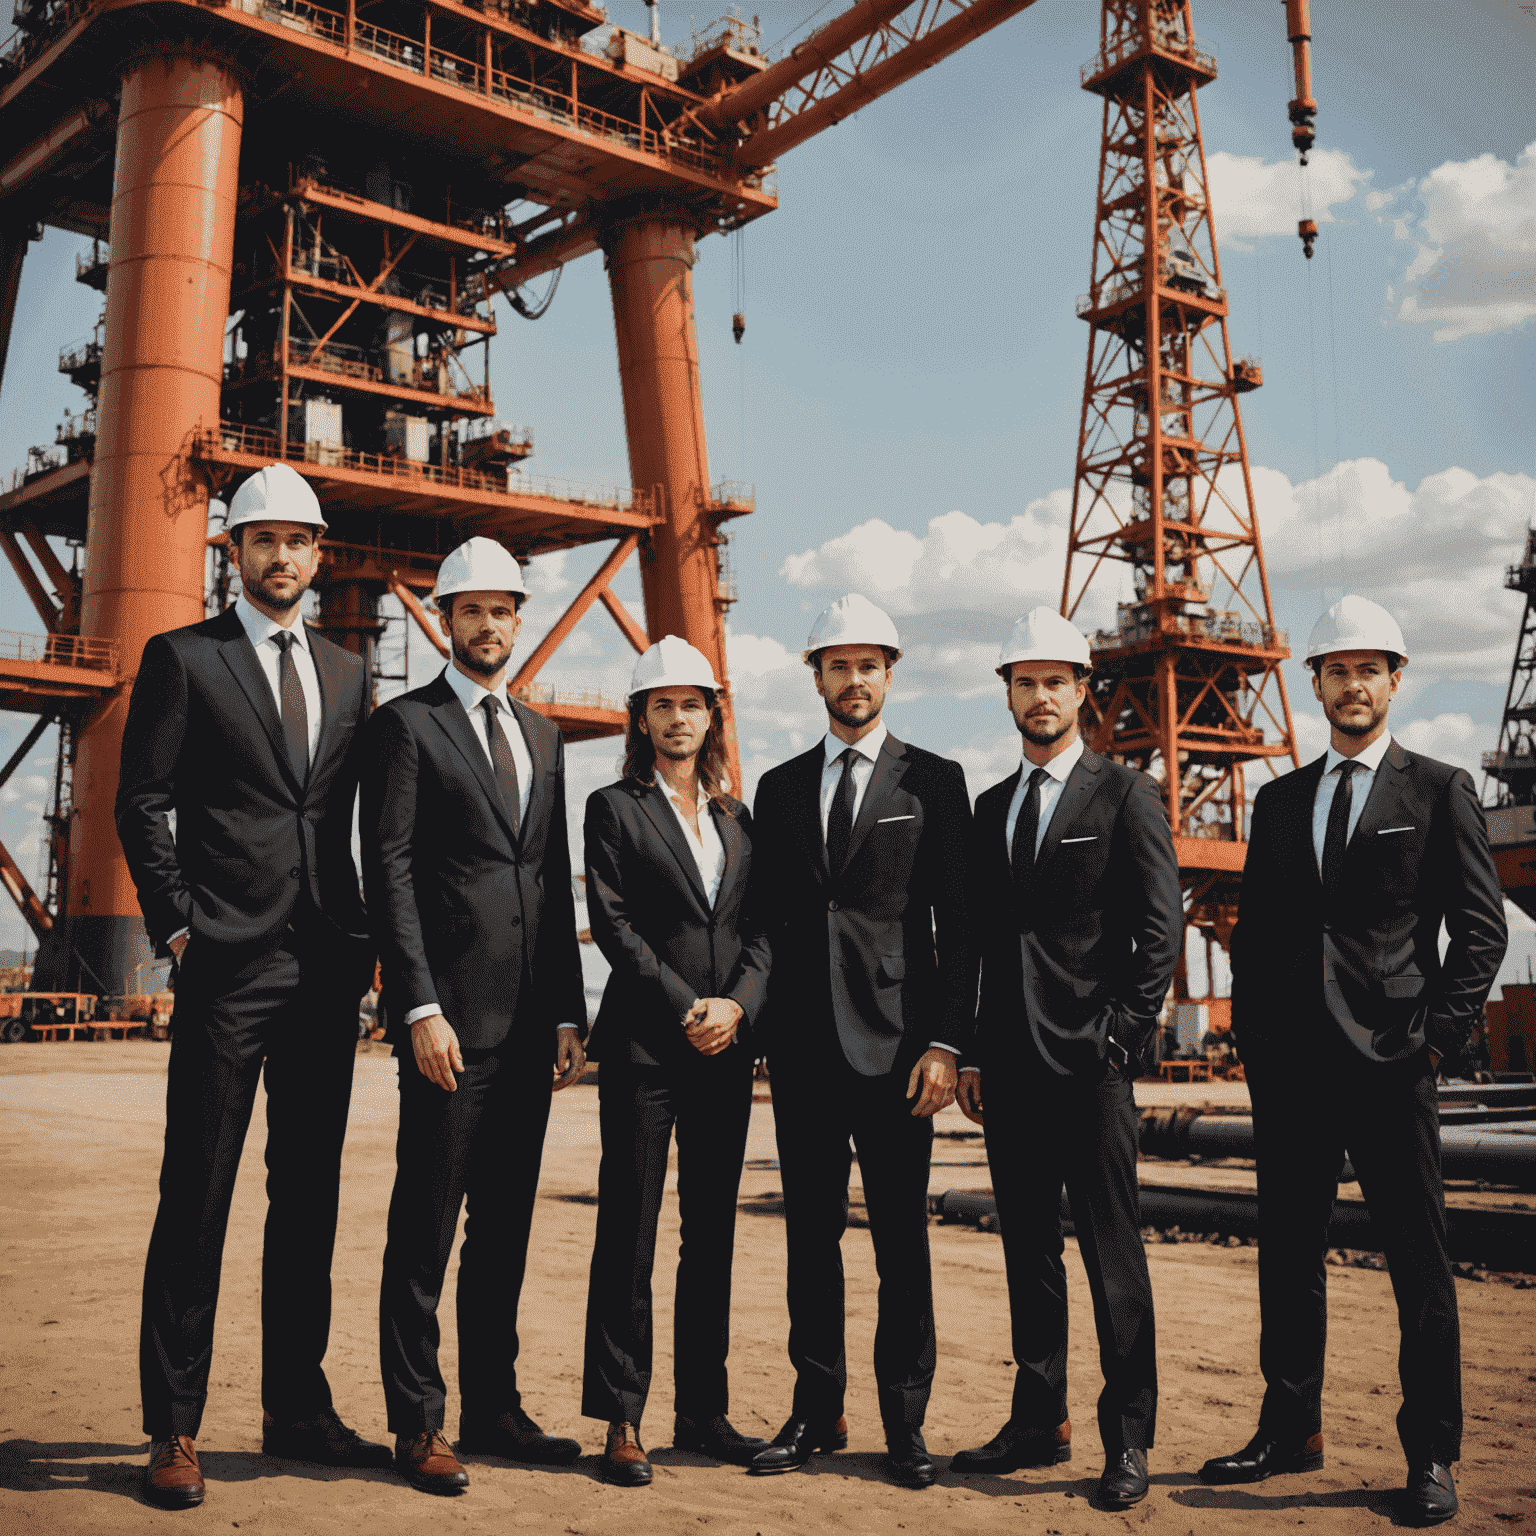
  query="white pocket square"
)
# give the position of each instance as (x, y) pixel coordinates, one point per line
(884, 819)
(1385, 831)
(1067, 840)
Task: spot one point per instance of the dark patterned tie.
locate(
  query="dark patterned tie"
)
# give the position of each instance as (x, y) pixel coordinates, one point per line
(1025, 832)
(1336, 837)
(295, 711)
(505, 764)
(840, 817)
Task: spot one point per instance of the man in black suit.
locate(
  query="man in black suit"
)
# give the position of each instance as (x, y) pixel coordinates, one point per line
(1075, 888)
(669, 865)
(468, 875)
(245, 729)
(863, 892)
(1343, 1008)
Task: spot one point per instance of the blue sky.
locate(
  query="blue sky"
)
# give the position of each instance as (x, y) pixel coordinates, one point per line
(906, 399)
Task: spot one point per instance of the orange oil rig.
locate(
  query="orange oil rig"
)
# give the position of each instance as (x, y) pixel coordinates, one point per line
(470, 147)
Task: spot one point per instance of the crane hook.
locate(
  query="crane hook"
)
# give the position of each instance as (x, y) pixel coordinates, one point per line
(1307, 229)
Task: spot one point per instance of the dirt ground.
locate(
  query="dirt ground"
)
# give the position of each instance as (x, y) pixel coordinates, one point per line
(80, 1141)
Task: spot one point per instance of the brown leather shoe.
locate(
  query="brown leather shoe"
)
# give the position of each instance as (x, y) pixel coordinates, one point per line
(624, 1460)
(426, 1461)
(173, 1479)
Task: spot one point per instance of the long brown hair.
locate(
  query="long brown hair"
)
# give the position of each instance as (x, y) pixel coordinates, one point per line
(639, 760)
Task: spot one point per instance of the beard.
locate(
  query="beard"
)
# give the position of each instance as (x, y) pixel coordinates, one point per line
(675, 752)
(1045, 738)
(467, 659)
(844, 715)
(1350, 728)
(264, 594)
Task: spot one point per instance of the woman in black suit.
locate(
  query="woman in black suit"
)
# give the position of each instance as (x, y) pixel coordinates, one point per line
(669, 859)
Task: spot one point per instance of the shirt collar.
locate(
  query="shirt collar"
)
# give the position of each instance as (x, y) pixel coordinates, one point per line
(1370, 759)
(866, 746)
(676, 799)
(1059, 767)
(258, 627)
(470, 693)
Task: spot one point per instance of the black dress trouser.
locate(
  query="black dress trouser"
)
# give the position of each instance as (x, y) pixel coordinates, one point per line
(483, 1144)
(818, 1105)
(1310, 1108)
(1081, 1133)
(291, 1009)
(710, 1103)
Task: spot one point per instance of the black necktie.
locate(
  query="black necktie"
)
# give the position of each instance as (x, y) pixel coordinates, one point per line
(295, 711)
(1025, 831)
(1336, 837)
(840, 817)
(505, 764)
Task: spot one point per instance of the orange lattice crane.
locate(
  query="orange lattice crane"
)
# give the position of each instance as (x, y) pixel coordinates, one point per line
(1187, 682)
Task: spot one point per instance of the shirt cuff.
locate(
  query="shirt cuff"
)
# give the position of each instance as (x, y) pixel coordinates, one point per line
(939, 1045)
(181, 933)
(970, 1069)
(576, 1027)
(424, 1012)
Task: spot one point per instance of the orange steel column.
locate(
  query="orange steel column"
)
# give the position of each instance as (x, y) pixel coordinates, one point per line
(649, 262)
(172, 234)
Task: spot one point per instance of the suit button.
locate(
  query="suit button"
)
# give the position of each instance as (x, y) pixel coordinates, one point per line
(831, 906)
(517, 922)
(295, 872)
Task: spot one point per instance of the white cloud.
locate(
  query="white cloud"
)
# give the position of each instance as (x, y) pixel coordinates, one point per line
(1474, 271)
(1450, 738)
(1252, 199)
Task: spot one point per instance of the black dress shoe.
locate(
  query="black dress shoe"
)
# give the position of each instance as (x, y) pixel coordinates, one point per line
(1014, 1447)
(1431, 1494)
(796, 1443)
(1124, 1482)
(908, 1461)
(1265, 1456)
(716, 1437)
(323, 1439)
(514, 1435)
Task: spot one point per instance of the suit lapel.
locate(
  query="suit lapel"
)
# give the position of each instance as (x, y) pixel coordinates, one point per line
(1304, 798)
(805, 808)
(456, 725)
(332, 679)
(1075, 794)
(729, 830)
(659, 814)
(240, 657)
(543, 766)
(890, 765)
(1384, 804)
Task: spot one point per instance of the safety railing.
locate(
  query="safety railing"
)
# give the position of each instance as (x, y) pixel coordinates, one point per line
(355, 363)
(59, 650)
(572, 698)
(732, 493)
(1118, 49)
(79, 354)
(1223, 628)
(261, 442)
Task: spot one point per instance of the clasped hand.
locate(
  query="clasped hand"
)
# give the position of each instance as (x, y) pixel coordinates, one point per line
(711, 1024)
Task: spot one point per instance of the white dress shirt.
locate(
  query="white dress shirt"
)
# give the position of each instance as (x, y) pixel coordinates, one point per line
(260, 630)
(469, 693)
(866, 749)
(1059, 768)
(1359, 790)
(707, 849)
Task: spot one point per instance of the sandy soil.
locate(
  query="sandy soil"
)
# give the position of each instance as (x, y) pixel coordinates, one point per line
(79, 1145)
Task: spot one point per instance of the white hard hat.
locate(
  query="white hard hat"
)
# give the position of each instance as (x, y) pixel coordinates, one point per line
(479, 565)
(1043, 635)
(852, 620)
(1356, 624)
(672, 663)
(276, 494)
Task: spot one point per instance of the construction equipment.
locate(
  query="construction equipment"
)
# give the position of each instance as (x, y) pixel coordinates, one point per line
(1509, 772)
(328, 203)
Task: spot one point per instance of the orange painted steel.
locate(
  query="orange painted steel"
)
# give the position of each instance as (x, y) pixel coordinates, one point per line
(1302, 108)
(1187, 683)
(650, 262)
(173, 220)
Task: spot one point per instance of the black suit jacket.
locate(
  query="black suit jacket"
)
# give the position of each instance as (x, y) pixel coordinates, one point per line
(1370, 960)
(1093, 952)
(666, 944)
(885, 947)
(204, 739)
(467, 917)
